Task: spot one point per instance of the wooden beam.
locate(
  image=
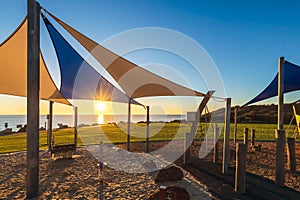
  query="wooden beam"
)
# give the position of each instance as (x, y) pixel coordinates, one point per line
(33, 97)
(198, 114)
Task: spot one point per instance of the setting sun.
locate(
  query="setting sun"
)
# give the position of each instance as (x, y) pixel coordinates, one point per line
(100, 106)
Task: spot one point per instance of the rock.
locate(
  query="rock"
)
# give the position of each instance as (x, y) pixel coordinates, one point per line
(6, 131)
(172, 192)
(169, 174)
(23, 129)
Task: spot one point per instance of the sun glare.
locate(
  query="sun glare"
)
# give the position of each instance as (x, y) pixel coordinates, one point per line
(100, 106)
(100, 119)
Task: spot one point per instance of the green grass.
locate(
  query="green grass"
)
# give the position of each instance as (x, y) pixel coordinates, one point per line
(110, 133)
(262, 131)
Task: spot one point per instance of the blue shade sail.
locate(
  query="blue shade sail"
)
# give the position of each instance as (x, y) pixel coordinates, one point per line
(291, 83)
(79, 80)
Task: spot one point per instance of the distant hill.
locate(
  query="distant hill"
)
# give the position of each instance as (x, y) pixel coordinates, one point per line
(257, 114)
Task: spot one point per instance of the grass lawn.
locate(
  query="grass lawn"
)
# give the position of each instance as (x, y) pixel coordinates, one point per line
(111, 133)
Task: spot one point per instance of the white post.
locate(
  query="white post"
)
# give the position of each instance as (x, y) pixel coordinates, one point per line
(226, 137)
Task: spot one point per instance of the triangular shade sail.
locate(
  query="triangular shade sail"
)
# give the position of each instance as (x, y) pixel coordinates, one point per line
(291, 83)
(134, 80)
(13, 69)
(79, 80)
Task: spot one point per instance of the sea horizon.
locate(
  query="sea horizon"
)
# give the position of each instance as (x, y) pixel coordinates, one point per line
(83, 119)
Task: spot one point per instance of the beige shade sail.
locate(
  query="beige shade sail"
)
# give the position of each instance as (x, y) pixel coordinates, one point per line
(13, 69)
(134, 80)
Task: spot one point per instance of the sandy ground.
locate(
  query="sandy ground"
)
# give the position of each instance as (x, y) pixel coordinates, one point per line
(78, 178)
(263, 162)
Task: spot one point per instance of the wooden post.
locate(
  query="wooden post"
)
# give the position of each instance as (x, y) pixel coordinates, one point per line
(216, 146)
(187, 143)
(226, 137)
(280, 162)
(235, 123)
(75, 126)
(246, 131)
(47, 128)
(280, 135)
(33, 97)
(240, 172)
(291, 154)
(147, 129)
(50, 117)
(128, 127)
(253, 137)
(280, 92)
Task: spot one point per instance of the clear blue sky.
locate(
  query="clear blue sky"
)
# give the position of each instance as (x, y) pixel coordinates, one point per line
(244, 38)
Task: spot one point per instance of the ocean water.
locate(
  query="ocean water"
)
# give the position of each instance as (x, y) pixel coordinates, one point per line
(14, 120)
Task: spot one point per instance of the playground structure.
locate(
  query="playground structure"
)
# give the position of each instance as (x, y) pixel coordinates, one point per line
(40, 85)
(161, 89)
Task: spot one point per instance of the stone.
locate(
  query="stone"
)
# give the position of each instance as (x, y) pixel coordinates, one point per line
(169, 174)
(172, 192)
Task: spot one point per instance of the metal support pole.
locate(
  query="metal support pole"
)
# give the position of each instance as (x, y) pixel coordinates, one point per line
(50, 125)
(235, 123)
(280, 137)
(128, 127)
(75, 126)
(147, 129)
(33, 90)
(226, 137)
